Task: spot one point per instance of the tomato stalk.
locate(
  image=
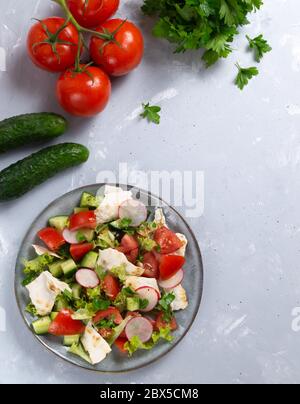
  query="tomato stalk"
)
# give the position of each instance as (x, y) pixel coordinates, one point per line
(105, 35)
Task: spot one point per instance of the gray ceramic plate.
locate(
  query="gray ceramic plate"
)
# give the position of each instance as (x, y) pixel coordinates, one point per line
(193, 283)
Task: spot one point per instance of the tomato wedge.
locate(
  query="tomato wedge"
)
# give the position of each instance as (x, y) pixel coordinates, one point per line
(78, 251)
(167, 240)
(111, 286)
(83, 220)
(65, 325)
(170, 265)
(151, 266)
(52, 238)
(120, 343)
(161, 323)
(112, 312)
(128, 243)
(133, 256)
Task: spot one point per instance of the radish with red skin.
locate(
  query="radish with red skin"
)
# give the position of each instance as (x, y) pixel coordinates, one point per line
(172, 282)
(139, 327)
(70, 236)
(87, 278)
(134, 210)
(150, 294)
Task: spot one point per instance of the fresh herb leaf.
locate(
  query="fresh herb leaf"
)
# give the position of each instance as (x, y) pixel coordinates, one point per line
(244, 75)
(151, 113)
(30, 308)
(260, 46)
(135, 343)
(164, 305)
(143, 303)
(210, 25)
(101, 304)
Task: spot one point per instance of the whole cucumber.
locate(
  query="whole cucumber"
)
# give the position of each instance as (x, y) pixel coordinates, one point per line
(24, 175)
(25, 129)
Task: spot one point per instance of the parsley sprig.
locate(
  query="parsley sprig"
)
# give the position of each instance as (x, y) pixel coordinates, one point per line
(245, 75)
(260, 47)
(151, 113)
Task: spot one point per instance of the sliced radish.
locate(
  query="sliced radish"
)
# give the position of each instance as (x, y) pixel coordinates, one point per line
(42, 250)
(139, 327)
(172, 282)
(134, 210)
(87, 278)
(150, 294)
(70, 236)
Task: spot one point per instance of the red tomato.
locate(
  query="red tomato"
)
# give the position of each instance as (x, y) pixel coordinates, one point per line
(120, 343)
(83, 220)
(106, 332)
(78, 251)
(125, 50)
(170, 265)
(132, 256)
(161, 323)
(91, 13)
(151, 266)
(85, 93)
(111, 286)
(48, 54)
(128, 243)
(111, 312)
(52, 238)
(167, 240)
(63, 324)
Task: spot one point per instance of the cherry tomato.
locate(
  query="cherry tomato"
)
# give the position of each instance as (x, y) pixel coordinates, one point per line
(78, 251)
(161, 323)
(120, 344)
(83, 220)
(167, 240)
(92, 13)
(111, 312)
(85, 93)
(170, 265)
(52, 238)
(151, 266)
(52, 44)
(123, 52)
(63, 324)
(111, 286)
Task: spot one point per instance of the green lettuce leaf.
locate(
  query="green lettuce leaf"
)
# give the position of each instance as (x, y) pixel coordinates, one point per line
(135, 343)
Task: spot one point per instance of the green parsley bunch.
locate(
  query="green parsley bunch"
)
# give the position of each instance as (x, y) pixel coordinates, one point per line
(201, 24)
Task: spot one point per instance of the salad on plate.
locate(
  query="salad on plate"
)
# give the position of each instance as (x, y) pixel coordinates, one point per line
(106, 276)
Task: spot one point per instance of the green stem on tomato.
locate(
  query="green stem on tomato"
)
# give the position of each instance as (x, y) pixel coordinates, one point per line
(105, 36)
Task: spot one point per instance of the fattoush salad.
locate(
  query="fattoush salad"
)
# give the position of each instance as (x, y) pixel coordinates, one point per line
(107, 276)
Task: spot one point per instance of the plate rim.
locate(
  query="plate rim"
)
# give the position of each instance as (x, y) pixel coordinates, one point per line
(81, 366)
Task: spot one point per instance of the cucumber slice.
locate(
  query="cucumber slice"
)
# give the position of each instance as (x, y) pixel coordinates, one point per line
(76, 291)
(59, 222)
(41, 326)
(69, 340)
(89, 234)
(89, 201)
(53, 315)
(69, 268)
(56, 269)
(61, 304)
(89, 260)
(79, 210)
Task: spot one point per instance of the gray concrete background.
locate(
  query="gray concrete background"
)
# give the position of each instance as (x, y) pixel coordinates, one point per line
(247, 145)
